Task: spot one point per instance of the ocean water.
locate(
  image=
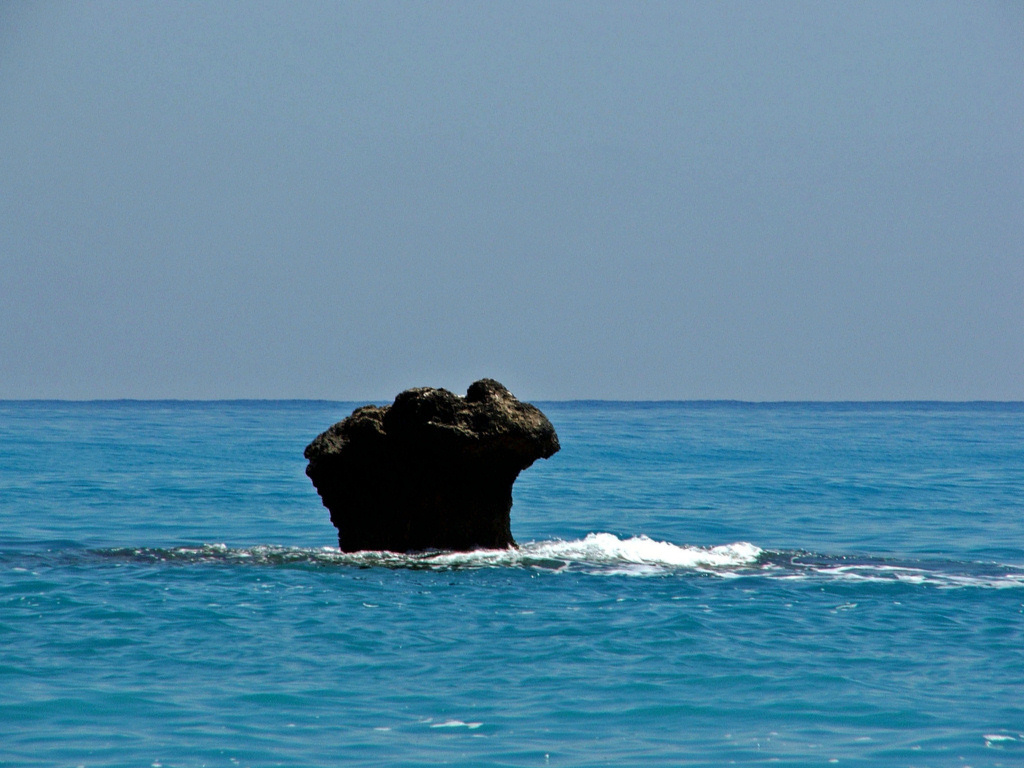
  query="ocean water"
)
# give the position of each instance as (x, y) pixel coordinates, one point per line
(697, 584)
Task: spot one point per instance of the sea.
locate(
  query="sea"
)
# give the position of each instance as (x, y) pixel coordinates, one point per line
(697, 584)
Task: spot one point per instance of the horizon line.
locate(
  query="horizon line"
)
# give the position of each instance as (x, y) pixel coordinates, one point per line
(596, 400)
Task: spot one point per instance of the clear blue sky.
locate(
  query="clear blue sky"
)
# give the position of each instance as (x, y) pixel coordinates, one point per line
(679, 200)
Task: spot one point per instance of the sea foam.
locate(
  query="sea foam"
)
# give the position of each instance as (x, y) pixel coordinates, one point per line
(596, 553)
(607, 554)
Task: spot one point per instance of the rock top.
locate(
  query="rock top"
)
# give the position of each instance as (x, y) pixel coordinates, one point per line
(431, 471)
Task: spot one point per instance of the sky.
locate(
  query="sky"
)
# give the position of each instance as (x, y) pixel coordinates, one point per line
(627, 200)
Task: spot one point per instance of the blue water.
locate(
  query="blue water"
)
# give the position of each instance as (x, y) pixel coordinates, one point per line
(699, 584)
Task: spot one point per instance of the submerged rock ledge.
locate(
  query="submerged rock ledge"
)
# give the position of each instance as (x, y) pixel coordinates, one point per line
(431, 471)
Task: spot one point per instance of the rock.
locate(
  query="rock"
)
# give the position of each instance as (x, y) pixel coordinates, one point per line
(431, 471)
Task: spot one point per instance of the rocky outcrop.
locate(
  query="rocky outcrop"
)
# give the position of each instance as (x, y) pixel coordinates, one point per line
(431, 471)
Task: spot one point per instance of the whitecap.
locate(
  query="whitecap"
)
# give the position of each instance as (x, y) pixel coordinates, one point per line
(998, 737)
(606, 549)
(456, 724)
(608, 555)
(939, 577)
(603, 553)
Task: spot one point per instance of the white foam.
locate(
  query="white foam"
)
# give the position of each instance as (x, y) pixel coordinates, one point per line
(608, 549)
(916, 576)
(456, 724)
(605, 552)
(608, 555)
(1003, 741)
(602, 553)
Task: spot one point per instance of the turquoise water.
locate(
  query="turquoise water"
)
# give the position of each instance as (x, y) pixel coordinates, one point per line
(698, 584)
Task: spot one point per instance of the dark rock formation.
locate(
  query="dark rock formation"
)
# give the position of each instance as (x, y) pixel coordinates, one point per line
(431, 471)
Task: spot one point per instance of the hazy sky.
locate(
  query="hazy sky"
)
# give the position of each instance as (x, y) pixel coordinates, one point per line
(676, 200)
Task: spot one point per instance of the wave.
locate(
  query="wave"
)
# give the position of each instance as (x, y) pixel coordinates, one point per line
(803, 566)
(607, 554)
(599, 552)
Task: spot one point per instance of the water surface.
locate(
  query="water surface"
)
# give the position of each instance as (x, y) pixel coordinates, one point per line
(698, 584)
